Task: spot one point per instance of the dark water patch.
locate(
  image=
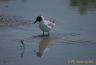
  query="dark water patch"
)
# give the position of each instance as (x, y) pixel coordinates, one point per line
(84, 6)
(14, 21)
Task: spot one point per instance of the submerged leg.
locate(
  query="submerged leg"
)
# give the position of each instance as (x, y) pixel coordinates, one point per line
(43, 33)
(48, 33)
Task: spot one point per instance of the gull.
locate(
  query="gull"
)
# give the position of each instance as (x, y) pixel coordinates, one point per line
(44, 25)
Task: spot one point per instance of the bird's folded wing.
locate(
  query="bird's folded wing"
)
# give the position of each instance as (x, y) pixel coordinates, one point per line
(49, 24)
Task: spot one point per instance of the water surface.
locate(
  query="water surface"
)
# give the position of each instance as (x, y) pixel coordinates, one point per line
(73, 37)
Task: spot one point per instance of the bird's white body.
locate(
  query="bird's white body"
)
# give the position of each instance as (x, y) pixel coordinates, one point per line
(46, 25)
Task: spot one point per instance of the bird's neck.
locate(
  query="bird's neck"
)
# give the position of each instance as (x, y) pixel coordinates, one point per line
(42, 17)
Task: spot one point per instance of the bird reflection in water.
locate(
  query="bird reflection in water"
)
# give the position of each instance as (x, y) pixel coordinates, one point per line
(44, 44)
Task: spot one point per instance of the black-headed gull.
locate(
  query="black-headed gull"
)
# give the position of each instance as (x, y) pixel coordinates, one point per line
(44, 25)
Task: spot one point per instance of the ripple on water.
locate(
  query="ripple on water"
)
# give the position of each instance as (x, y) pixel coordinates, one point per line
(63, 39)
(72, 38)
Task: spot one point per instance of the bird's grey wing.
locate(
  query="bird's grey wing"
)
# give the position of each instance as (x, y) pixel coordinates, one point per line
(51, 24)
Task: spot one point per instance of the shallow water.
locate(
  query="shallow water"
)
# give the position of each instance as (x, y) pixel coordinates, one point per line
(72, 40)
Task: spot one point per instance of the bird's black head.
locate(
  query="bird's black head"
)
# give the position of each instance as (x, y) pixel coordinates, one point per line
(38, 19)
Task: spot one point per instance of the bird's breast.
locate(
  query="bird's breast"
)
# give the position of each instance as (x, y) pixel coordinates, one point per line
(44, 27)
